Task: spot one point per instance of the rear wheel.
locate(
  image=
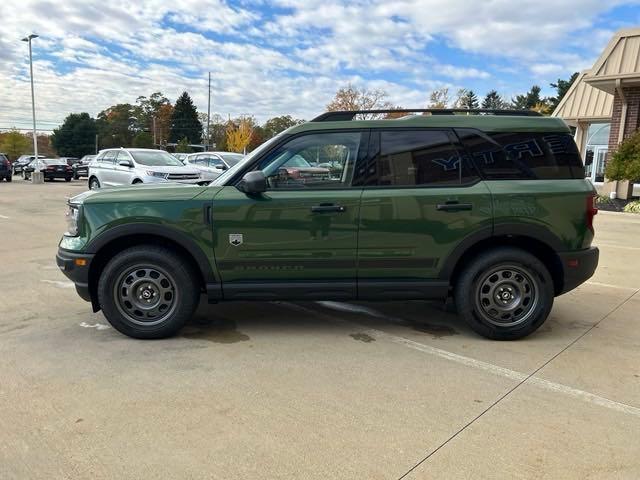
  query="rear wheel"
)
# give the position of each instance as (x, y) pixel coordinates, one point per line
(148, 292)
(504, 294)
(67, 179)
(9, 178)
(94, 184)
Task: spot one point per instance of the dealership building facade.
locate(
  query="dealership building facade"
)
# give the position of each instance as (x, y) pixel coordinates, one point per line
(603, 105)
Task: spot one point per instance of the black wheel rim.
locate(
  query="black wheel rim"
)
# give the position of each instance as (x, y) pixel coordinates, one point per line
(506, 295)
(93, 184)
(145, 295)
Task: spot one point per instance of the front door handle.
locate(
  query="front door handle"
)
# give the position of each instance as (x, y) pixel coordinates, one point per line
(327, 208)
(454, 206)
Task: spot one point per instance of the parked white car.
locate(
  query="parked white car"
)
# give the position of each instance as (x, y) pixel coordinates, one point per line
(130, 166)
(212, 164)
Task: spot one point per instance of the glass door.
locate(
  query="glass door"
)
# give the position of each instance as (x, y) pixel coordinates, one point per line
(599, 164)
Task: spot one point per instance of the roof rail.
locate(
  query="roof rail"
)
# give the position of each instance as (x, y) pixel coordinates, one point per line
(347, 115)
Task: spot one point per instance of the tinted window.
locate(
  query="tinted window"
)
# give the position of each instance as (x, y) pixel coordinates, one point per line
(523, 155)
(315, 160)
(414, 158)
(109, 156)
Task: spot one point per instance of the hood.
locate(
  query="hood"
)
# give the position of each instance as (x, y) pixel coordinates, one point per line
(150, 192)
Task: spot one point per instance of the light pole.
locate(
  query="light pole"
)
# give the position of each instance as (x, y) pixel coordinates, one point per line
(36, 177)
(206, 148)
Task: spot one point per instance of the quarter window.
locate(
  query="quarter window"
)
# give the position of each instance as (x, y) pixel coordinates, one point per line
(318, 160)
(414, 158)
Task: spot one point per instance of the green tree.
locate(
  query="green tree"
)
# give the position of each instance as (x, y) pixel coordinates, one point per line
(528, 100)
(184, 121)
(183, 146)
(14, 144)
(561, 87)
(275, 125)
(494, 101)
(76, 136)
(143, 140)
(625, 161)
(467, 99)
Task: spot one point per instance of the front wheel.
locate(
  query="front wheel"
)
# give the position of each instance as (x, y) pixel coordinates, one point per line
(148, 292)
(94, 184)
(504, 294)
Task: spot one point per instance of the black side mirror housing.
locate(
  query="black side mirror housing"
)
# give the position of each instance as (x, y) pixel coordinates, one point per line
(125, 163)
(253, 183)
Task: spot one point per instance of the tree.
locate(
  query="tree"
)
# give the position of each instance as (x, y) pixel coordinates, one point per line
(116, 126)
(143, 140)
(352, 98)
(625, 161)
(275, 125)
(14, 144)
(76, 136)
(528, 100)
(163, 124)
(184, 121)
(439, 98)
(493, 101)
(183, 146)
(562, 87)
(467, 99)
(239, 135)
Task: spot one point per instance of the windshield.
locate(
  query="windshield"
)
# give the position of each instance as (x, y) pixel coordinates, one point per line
(155, 158)
(221, 180)
(231, 158)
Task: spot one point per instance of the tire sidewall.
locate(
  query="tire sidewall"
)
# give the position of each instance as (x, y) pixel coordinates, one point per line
(466, 289)
(188, 291)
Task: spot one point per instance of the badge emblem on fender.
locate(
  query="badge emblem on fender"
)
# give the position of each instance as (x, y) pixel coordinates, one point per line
(235, 239)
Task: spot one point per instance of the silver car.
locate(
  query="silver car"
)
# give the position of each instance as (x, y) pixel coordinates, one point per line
(212, 164)
(130, 166)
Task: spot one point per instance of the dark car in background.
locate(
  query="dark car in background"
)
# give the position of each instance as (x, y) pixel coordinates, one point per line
(5, 168)
(81, 167)
(51, 169)
(22, 162)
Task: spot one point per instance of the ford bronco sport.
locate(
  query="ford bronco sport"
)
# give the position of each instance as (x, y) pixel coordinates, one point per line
(489, 207)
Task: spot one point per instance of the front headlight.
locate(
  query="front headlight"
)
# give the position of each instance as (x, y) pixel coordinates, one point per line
(157, 174)
(72, 217)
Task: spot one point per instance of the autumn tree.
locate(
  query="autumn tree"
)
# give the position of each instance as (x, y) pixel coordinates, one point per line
(439, 98)
(14, 144)
(184, 121)
(275, 125)
(115, 125)
(352, 98)
(493, 101)
(163, 124)
(239, 135)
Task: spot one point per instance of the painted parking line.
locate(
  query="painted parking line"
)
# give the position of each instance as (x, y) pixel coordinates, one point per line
(613, 245)
(519, 377)
(4, 217)
(609, 285)
(59, 284)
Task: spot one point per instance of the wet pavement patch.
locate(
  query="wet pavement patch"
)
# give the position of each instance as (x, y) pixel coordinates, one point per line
(438, 331)
(362, 337)
(218, 331)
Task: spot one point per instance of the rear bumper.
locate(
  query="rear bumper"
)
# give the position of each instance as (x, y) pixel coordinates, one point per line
(57, 174)
(578, 267)
(78, 274)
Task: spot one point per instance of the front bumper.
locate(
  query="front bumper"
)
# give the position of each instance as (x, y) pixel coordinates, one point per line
(71, 264)
(578, 267)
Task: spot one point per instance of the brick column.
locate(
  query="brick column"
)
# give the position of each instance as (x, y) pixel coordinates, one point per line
(631, 124)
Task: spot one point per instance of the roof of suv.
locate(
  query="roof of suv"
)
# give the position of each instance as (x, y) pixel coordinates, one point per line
(486, 123)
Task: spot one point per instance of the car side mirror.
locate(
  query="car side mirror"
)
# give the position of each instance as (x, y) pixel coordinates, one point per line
(253, 183)
(125, 163)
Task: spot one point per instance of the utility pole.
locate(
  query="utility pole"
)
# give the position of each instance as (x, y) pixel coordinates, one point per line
(206, 147)
(153, 120)
(96, 143)
(36, 177)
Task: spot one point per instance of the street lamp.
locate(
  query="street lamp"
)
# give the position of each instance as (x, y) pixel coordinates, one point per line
(36, 176)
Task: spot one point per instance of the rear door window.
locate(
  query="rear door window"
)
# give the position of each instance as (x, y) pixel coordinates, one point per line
(408, 158)
(523, 155)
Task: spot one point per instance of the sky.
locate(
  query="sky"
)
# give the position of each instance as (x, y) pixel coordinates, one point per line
(280, 57)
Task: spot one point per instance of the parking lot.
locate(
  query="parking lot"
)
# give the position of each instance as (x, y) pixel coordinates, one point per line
(311, 389)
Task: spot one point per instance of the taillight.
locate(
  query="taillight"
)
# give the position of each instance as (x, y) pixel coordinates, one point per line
(592, 210)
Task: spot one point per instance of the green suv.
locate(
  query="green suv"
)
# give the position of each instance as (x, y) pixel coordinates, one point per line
(488, 207)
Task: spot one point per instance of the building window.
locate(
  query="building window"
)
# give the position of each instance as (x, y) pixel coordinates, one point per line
(597, 146)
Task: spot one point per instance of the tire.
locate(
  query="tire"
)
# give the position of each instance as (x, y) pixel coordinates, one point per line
(76, 177)
(9, 179)
(504, 294)
(148, 270)
(67, 179)
(94, 183)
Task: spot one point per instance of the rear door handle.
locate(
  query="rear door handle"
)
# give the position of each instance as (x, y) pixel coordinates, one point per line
(327, 207)
(454, 206)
